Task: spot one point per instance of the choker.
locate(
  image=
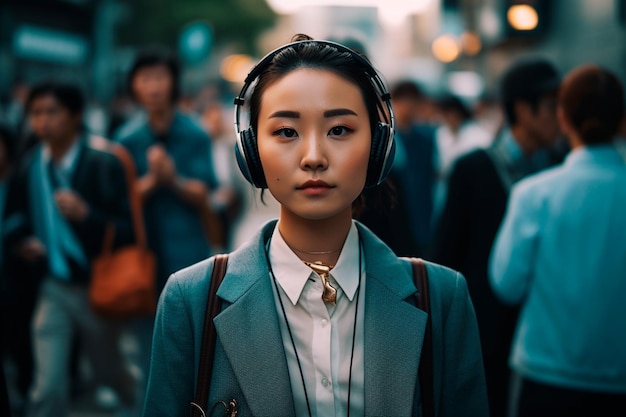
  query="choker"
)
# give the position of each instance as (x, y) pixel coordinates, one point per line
(323, 252)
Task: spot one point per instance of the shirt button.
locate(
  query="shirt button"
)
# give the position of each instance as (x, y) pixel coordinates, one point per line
(325, 382)
(324, 322)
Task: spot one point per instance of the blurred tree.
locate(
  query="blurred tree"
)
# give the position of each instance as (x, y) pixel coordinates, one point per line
(160, 21)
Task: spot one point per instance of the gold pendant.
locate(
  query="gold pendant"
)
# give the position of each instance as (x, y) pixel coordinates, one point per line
(329, 295)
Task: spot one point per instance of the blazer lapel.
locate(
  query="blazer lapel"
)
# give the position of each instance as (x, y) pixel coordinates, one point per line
(394, 332)
(254, 345)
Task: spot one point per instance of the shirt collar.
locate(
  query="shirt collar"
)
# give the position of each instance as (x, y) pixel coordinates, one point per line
(518, 161)
(292, 274)
(511, 147)
(603, 153)
(68, 162)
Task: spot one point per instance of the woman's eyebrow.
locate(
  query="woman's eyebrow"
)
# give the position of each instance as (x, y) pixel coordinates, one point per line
(286, 114)
(339, 112)
(328, 113)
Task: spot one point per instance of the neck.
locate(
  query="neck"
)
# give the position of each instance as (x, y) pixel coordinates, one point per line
(524, 140)
(160, 120)
(316, 240)
(59, 149)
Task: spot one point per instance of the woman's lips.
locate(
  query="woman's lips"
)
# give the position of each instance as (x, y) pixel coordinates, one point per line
(315, 187)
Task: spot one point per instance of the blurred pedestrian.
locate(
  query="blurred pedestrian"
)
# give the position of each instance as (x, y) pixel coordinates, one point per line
(17, 296)
(61, 198)
(415, 145)
(478, 190)
(458, 134)
(319, 133)
(561, 254)
(172, 155)
(14, 114)
(226, 200)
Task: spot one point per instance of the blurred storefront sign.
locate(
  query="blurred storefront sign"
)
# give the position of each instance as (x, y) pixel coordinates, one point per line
(44, 44)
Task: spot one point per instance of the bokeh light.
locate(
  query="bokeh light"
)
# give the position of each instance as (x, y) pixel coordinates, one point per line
(522, 17)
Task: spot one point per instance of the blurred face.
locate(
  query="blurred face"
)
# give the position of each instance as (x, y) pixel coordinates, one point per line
(153, 86)
(52, 122)
(404, 110)
(543, 123)
(314, 142)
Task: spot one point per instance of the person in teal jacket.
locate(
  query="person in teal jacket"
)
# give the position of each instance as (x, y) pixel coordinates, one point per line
(318, 316)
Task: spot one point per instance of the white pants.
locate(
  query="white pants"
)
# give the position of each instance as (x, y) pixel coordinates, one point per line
(62, 311)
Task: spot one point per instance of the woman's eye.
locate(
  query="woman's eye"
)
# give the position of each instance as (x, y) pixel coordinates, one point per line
(339, 131)
(286, 132)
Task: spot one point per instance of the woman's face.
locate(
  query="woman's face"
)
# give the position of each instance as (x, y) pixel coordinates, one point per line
(314, 142)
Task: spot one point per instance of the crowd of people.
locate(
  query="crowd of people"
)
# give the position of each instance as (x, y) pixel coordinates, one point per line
(520, 217)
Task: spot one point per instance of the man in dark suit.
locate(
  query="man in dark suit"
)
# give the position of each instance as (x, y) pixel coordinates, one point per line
(63, 195)
(477, 194)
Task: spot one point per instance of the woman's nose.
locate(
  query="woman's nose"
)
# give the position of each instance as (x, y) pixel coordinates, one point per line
(314, 152)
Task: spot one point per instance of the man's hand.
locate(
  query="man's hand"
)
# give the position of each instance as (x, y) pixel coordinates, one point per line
(161, 165)
(70, 205)
(31, 249)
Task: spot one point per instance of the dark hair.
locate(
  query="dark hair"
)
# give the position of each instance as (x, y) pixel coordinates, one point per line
(592, 99)
(406, 89)
(528, 80)
(153, 57)
(69, 95)
(316, 56)
(450, 102)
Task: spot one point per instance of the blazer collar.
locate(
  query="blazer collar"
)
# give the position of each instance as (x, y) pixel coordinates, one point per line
(394, 330)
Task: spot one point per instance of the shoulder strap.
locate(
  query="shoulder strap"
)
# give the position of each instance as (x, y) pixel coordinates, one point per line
(209, 336)
(135, 200)
(420, 276)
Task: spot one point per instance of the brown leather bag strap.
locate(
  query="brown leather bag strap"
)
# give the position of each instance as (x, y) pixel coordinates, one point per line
(420, 276)
(209, 337)
(133, 194)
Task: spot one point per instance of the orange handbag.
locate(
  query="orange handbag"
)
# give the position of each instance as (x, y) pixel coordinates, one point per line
(123, 280)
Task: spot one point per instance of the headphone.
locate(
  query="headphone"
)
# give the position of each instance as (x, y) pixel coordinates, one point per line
(383, 146)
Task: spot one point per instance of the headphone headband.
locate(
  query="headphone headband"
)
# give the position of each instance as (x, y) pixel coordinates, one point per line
(247, 153)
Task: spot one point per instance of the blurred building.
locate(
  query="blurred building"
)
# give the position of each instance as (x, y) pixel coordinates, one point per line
(461, 46)
(69, 39)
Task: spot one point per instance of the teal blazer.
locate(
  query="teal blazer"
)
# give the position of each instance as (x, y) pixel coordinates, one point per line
(250, 364)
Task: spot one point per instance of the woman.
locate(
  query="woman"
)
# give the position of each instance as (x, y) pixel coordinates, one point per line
(320, 131)
(561, 255)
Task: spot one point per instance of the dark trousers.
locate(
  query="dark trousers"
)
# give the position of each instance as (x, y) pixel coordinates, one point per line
(540, 400)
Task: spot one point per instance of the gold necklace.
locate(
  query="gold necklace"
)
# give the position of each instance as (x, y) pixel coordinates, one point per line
(323, 252)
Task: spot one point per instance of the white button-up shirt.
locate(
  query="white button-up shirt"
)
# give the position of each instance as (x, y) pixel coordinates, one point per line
(322, 334)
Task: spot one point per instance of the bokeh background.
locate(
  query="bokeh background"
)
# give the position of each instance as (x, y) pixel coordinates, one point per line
(456, 45)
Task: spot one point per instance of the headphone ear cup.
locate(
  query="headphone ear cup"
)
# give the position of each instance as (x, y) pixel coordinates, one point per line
(381, 156)
(248, 159)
